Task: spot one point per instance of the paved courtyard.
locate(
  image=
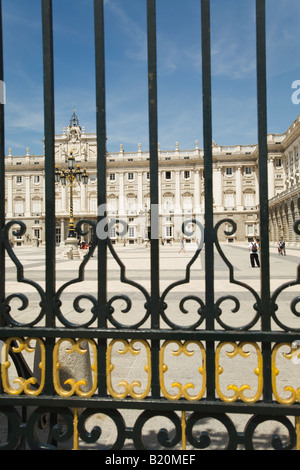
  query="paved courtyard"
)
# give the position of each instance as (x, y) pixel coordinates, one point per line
(172, 268)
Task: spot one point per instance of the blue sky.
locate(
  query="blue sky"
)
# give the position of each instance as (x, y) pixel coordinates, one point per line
(179, 70)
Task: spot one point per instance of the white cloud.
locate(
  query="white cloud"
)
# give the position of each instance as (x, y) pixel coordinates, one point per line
(230, 61)
(24, 113)
(136, 48)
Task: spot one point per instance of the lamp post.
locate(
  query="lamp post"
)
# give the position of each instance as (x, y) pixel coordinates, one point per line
(72, 175)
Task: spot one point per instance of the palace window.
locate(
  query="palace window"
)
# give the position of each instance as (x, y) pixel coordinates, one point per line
(36, 233)
(168, 203)
(187, 203)
(229, 201)
(112, 204)
(250, 230)
(113, 233)
(93, 204)
(131, 201)
(57, 235)
(249, 199)
(19, 207)
(169, 232)
(36, 206)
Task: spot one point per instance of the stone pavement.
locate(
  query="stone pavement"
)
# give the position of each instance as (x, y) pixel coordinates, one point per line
(172, 268)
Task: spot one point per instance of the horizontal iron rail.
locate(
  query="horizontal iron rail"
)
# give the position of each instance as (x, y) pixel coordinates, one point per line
(204, 335)
(203, 406)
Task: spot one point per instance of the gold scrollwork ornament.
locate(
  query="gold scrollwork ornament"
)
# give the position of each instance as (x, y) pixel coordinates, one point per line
(182, 389)
(75, 385)
(294, 356)
(129, 388)
(238, 349)
(25, 385)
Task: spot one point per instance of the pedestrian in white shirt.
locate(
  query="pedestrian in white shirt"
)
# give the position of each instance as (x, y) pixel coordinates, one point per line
(254, 258)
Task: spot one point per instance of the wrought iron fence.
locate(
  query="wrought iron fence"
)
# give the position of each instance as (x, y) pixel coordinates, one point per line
(25, 405)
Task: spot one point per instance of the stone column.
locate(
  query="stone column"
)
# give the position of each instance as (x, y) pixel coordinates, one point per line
(238, 185)
(271, 182)
(63, 198)
(159, 191)
(178, 219)
(121, 195)
(177, 193)
(83, 198)
(140, 192)
(256, 187)
(62, 232)
(9, 198)
(218, 188)
(197, 192)
(27, 196)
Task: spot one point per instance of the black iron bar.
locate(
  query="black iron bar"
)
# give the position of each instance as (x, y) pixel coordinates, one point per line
(153, 141)
(203, 406)
(208, 172)
(49, 130)
(101, 184)
(160, 334)
(263, 188)
(2, 185)
(2, 178)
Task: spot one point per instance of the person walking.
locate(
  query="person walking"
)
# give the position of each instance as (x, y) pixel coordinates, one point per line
(281, 247)
(182, 246)
(254, 258)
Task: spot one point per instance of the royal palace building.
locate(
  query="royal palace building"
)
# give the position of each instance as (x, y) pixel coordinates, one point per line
(181, 189)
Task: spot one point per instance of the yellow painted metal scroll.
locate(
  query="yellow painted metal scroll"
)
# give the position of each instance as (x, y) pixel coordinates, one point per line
(74, 385)
(183, 390)
(129, 347)
(238, 391)
(31, 385)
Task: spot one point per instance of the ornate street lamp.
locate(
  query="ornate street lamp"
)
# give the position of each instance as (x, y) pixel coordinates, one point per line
(71, 175)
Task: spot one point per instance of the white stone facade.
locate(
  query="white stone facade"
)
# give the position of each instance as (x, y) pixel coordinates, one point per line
(285, 204)
(181, 187)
